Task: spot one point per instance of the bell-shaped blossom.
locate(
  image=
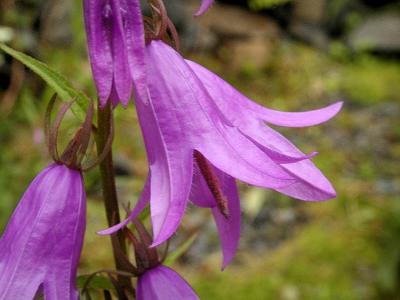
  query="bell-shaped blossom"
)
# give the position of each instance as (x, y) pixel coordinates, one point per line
(41, 246)
(205, 5)
(115, 36)
(191, 118)
(163, 283)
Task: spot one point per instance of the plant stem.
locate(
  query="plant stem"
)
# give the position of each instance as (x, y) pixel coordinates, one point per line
(104, 123)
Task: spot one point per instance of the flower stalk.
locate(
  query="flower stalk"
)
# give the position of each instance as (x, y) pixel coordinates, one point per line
(104, 125)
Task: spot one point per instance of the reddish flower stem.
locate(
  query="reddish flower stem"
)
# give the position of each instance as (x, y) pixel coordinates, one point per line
(104, 123)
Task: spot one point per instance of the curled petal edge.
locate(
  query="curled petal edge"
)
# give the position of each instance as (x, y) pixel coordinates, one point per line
(299, 119)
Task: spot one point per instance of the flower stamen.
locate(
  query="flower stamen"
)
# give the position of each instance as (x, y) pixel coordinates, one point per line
(212, 183)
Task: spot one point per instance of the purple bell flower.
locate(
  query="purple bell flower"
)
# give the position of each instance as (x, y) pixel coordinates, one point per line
(115, 37)
(201, 134)
(163, 283)
(41, 246)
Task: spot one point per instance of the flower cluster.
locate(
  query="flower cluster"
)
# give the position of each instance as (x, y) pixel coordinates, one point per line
(200, 134)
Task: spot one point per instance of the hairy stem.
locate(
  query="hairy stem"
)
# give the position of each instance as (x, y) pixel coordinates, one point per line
(104, 123)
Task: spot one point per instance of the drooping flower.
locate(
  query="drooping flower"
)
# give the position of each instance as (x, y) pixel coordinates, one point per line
(163, 283)
(193, 120)
(205, 5)
(41, 246)
(115, 37)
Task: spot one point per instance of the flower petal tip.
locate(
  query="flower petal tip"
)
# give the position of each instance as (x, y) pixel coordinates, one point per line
(338, 106)
(224, 265)
(156, 243)
(107, 231)
(332, 195)
(329, 195)
(103, 102)
(112, 229)
(227, 260)
(161, 238)
(205, 5)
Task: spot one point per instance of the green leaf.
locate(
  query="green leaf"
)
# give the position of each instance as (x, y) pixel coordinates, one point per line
(173, 256)
(61, 86)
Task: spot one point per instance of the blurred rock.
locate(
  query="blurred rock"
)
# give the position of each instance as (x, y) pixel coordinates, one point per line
(182, 18)
(239, 36)
(379, 33)
(123, 165)
(255, 199)
(308, 22)
(310, 11)
(388, 186)
(55, 23)
(6, 34)
(310, 33)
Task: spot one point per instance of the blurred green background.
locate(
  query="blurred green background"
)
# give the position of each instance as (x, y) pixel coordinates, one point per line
(288, 55)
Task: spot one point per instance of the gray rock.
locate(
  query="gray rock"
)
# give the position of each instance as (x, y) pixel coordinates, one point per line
(308, 22)
(380, 32)
(310, 33)
(310, 11)
(239, 37)
(56, 28)
(180, 14)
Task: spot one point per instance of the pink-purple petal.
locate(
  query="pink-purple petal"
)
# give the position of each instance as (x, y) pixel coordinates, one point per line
(238, 104)
(122, 78)
(270, 142)
(299, 119)
(99, 46)
(236, 155)
(309, 183)
(169, 196)
(229, 228)
(135, 44)
(171, 163)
